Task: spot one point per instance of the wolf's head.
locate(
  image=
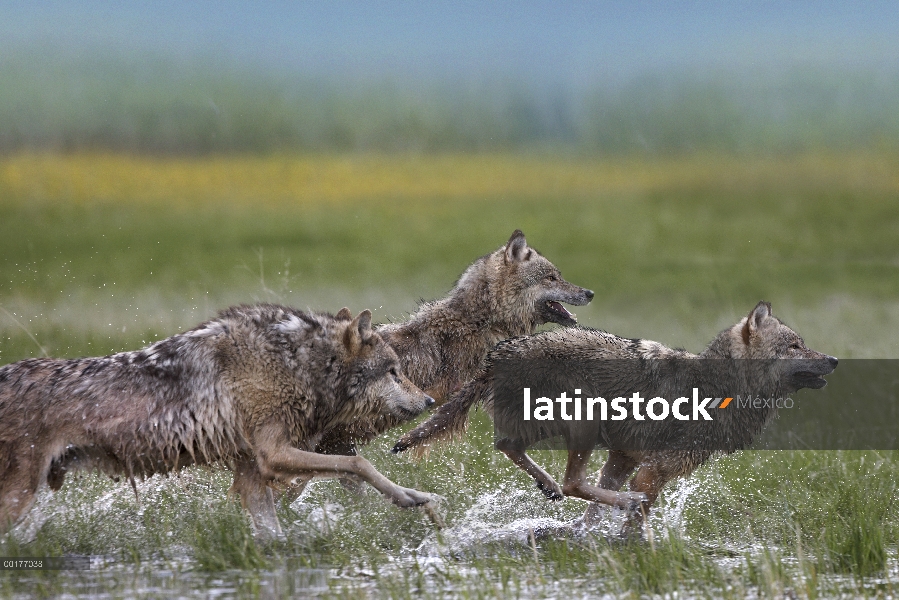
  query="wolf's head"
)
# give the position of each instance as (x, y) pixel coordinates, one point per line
(522, 288)
(374, 380)
(761, 336)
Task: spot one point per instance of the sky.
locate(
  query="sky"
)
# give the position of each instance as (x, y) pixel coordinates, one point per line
(546, 42)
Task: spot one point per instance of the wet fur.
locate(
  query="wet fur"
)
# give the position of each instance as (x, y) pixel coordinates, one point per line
(252, 389)
(443, 344)
(760, 335)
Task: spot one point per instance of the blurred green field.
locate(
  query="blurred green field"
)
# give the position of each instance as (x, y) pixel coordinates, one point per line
(57, 99)
(100, 253)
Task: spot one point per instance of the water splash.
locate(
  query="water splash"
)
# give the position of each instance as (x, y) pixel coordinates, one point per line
(506, 515)
(43, 510)
(668, 517)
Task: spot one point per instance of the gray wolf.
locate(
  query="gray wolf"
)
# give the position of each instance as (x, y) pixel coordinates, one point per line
(507, 293)
(745, 356)
(253, 389)
(442, 345)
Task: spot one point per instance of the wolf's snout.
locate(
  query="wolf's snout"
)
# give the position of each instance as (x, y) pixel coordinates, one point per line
(833, 360)
(589, 294)
(429, 401)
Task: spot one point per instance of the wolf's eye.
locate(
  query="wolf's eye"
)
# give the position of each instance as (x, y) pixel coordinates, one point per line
(795, 347)
(551, 277)
(395, 374)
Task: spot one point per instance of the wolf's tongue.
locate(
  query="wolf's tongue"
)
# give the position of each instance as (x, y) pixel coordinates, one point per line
(559, 308)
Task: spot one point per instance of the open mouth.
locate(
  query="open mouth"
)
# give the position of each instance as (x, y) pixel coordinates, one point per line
(809, 379)
(406, 413)
(560, 310)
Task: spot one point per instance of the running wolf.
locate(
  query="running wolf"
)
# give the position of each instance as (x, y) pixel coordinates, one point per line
(253, 389)
(738, 358)
(506, 293)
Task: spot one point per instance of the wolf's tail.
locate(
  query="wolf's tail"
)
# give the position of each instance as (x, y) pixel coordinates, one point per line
(451, 419)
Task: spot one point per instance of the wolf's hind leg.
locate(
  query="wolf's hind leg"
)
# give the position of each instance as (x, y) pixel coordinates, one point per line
(617, 469)
(290, 491)
(256, 498)
(649, 480)
(651, 477)
(612, 476)
(515, 450)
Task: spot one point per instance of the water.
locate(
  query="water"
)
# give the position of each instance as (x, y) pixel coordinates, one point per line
(505, 516)
(504, 529)
(668, 517)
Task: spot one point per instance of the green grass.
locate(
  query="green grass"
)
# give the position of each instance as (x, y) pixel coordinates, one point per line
(673, 262)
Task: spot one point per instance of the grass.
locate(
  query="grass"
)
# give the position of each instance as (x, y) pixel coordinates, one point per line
(100, 253)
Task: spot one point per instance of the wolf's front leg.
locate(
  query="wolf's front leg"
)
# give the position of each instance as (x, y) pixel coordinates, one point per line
(287, 462)
(576, 485)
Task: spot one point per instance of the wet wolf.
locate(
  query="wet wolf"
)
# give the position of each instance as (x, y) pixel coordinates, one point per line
(745, 356)
(253, 389)
(507, 293)
(442, 345)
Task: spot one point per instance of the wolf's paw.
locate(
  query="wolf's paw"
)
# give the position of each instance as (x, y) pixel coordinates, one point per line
(430, 509)
(635, 508)
(267, 538)
(593, 515)
(409, 498)
(553, 492)
(401, 445)
(268, 533)
(631, 502)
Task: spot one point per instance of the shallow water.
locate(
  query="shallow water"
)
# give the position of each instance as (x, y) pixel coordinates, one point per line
(498, 543)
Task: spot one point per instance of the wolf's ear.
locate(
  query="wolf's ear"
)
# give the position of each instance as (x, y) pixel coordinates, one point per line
(517, 247)
(363, 324)
(344, 314)
(755, 319)
(359, 331)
